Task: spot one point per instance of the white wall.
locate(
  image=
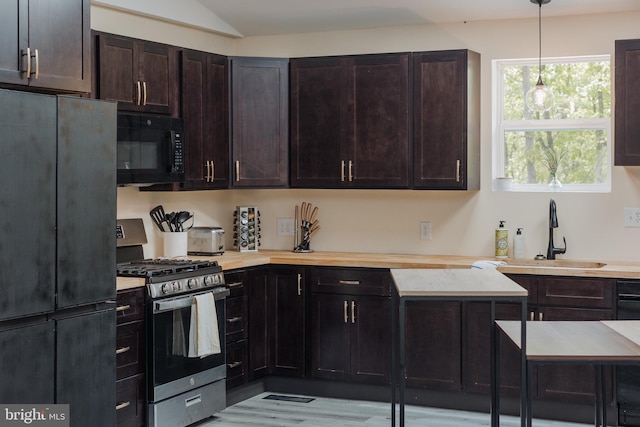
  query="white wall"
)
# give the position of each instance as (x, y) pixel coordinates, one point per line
(387, 220)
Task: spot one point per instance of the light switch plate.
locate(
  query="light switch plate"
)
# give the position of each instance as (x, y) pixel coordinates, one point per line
(632, 217)
(285, 227)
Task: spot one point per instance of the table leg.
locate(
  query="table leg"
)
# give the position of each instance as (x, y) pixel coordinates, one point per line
(402, 359)
(598, 409)
(604, 395)
(529, 394)
(394, 356)
(495, 371)
(525, 376)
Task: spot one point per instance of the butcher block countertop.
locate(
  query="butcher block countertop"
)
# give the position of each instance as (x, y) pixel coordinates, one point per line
(231, 260)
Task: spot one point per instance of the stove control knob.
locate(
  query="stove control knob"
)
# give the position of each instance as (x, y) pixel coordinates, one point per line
(165, 288)
(208, 281)
(192, 283)
(176, 286)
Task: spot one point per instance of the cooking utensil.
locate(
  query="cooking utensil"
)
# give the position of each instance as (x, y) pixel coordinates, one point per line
(171, 221)
(181, 218)
(158, 215)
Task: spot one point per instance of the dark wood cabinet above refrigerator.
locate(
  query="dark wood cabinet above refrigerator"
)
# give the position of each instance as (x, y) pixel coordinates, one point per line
(45, 45)
(627, 96)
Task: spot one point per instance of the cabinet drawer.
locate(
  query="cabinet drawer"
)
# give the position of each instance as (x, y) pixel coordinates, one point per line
(129, 349)
(236, 318)
(130, 305)
(237, 361)
(577, 292)
(130, 401)
(235, 281)
(353, 281)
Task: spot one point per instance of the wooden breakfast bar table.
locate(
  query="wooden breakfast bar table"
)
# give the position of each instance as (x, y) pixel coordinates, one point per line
(598, 343)
(453, 285)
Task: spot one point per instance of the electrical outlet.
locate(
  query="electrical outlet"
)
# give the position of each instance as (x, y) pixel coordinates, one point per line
(425, 230)
(285, 226)
(632, 217)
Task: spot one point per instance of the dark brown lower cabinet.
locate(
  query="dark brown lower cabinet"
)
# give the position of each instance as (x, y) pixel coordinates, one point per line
(258, 302)
(351, 338)
(287, 325)
(551, 298)
(433, 347)
(236, 333)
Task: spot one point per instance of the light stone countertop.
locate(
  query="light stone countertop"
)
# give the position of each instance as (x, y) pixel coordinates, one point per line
(232, 260)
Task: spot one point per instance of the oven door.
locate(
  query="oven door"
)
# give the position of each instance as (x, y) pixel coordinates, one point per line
(171, 370)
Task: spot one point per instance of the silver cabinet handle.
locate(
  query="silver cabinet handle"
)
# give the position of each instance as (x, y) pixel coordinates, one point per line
(353, 312)
(350, 171)
(349, 282)
(123, 307)
(138, 92)
(234, 365)
(28, 55)
(122, 405)
(144, 91)
(457, 170)
(213, 171)
(207, 178)
(342, 171)
(237, 170)
(234, 319)
(299, 284)
(234, 284)
(123, 350)
(37, 64)
(346, 314)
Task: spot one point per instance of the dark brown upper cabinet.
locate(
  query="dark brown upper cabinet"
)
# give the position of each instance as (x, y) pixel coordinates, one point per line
(138, 74)
(259, 122)
(46, 45)
(350, 121)
(627, 104)
(204, 108)
(446, 112)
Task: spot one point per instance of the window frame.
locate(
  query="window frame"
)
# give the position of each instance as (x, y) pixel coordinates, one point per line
(500, 126)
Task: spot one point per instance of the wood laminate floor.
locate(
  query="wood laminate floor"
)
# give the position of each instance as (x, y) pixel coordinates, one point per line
(319, 412)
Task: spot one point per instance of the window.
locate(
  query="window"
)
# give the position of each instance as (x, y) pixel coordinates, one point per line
(571, 141)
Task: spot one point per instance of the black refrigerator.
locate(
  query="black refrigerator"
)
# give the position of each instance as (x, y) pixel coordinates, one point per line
(57, 254)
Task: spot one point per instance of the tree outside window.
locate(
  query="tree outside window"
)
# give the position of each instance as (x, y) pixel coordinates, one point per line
(567, 148)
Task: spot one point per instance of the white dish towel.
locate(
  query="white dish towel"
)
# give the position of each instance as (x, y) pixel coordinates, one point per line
(204, 339)
(487, 264)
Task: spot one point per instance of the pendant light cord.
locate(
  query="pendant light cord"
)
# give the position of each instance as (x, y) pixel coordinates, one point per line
(539, 38)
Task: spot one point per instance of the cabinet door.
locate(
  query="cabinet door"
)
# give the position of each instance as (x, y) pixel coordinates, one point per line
(318, 116)
(14, 39)
(27, 364)
(477, 342)
(86, 367)
(258, 289)
(433, 358)
(378, 121)
(287, 336)
(370, 320)
(330, 334)
(117, 71)
(206, 125)
(61, 33)
(446, 120)
(259, 122)
(627, 94)
(28, 246)
(86, 168)
(158, 76)
(570, 383)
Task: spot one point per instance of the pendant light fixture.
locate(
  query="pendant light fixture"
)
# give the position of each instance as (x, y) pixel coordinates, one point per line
(540, 98)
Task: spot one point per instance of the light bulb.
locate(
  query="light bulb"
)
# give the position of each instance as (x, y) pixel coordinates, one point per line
(540, 97)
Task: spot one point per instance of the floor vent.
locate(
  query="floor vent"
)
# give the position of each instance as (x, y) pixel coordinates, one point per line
(289, 398)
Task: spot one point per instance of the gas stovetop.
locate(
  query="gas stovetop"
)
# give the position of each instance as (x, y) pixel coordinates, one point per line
(168, 277)
(162, 267)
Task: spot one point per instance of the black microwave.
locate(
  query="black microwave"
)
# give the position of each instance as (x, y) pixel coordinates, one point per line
(150, 149)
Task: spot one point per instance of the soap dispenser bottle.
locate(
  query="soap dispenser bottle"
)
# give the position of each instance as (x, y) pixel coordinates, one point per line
(519, 244)
(502, 241)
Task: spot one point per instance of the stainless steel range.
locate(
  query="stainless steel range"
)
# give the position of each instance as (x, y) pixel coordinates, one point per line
(185, 318)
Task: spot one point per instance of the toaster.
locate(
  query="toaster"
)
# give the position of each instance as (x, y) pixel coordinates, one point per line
(205, 241)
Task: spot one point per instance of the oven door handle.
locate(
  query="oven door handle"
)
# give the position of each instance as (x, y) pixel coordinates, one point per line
(175, 304)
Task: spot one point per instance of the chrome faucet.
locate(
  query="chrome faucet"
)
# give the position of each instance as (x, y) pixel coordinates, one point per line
(553, 223)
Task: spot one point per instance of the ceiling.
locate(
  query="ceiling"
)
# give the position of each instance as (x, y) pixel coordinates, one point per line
(240, 18)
